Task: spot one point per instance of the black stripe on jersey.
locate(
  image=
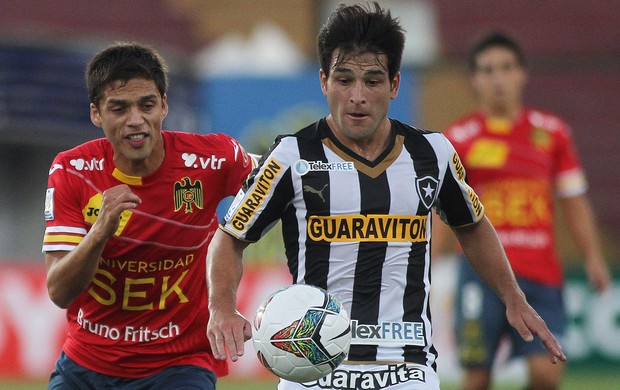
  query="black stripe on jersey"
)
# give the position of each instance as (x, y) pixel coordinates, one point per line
(425, 164)
(455, 208)
(375, 199)
(315, 188)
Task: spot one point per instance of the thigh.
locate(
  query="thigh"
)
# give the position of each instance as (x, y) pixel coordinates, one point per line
(396, 376)
(68, 375)
(479, 319)
(549, 304)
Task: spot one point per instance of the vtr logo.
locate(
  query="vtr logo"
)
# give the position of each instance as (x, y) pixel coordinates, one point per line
(193, 161)
(82, 165)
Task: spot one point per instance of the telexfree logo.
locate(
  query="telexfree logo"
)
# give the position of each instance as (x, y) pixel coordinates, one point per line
(302, 167)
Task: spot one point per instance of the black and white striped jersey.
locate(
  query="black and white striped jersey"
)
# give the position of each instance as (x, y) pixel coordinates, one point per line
(361, 229)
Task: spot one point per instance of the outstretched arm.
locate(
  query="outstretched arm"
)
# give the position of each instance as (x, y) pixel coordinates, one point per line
(227, 328)
(484, 251)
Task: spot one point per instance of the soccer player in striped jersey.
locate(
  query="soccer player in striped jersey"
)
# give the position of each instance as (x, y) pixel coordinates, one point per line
(518, 159)
(128, 221)
(354, 192)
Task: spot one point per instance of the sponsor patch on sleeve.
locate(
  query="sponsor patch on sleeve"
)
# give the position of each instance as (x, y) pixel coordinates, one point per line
(49, 204)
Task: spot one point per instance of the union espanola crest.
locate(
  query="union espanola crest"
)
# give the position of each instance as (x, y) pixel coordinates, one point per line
(187, 194)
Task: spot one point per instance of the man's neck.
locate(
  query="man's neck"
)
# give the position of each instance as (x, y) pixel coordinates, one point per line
(510, 113)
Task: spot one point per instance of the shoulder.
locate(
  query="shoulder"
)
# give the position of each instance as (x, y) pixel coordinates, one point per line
(414, 133)
(94, 150)
(309, 134)
(547, 121)
(197, 140)
(422, 140)
(205, 148)
(203, 144)
(465, 128)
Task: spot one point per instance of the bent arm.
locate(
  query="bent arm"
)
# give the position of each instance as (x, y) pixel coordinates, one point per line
(227, 328)
(485, 253)
(582, 226)
(69, 273)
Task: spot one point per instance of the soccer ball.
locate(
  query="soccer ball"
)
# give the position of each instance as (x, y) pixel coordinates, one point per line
(301, 333)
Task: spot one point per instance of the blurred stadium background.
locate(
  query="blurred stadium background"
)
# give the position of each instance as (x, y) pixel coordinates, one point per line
(248, 68)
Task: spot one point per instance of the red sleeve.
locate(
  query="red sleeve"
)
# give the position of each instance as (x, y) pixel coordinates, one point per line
(65, 226)
(240, 166)
(570, 179)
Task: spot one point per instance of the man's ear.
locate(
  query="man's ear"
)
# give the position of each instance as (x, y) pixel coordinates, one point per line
(164, 105)
(94, 115)
(395, 86)
(323, 78)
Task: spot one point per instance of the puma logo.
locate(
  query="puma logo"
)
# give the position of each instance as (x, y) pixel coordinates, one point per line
(307, 188)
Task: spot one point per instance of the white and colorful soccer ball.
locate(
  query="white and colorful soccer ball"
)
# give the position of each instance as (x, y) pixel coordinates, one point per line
(301, 333)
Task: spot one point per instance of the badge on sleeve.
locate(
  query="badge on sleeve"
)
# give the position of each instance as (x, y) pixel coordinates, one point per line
(49, 204)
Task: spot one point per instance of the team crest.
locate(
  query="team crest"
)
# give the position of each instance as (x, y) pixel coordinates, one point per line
(187, 194)
(540, 138)
(426, 188)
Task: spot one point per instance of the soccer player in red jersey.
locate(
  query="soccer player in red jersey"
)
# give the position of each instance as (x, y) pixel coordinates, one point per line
(519, 160)
(128, 221)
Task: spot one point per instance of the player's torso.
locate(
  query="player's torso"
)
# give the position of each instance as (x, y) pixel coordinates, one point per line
(513, 168)
(151, 275)
(360, 229)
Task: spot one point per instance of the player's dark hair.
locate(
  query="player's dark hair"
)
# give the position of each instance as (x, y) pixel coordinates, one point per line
(495, 39)
(356, 30)
(124, 61)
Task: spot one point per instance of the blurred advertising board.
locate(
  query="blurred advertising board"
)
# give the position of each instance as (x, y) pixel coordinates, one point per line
(32, 328)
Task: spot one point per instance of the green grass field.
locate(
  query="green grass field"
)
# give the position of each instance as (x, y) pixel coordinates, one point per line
(577, 379)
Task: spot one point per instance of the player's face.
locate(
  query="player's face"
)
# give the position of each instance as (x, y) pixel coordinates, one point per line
(499, 79)
(358, 92)
(131, 115)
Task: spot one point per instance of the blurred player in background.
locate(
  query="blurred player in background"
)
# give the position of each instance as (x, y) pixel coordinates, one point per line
(517, 159)
(354, 192)
(128, 221)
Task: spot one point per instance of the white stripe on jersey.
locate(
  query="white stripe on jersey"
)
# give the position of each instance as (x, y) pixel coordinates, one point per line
(341, 253)
(65, 229)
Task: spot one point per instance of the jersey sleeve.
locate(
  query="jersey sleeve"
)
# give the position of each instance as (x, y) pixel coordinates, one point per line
(570, 179)
(240, 167)
(264, 197)
(458, 203)
(64, 221)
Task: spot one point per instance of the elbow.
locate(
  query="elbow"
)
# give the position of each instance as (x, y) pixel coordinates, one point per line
(59, 296)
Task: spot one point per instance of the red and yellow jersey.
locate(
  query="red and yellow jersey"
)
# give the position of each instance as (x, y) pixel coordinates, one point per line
(146, 308)
(517, 168)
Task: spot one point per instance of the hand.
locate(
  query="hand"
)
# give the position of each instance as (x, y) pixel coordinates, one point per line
(228, 331)
(598, 274)
(528, 323)
(115, 201)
